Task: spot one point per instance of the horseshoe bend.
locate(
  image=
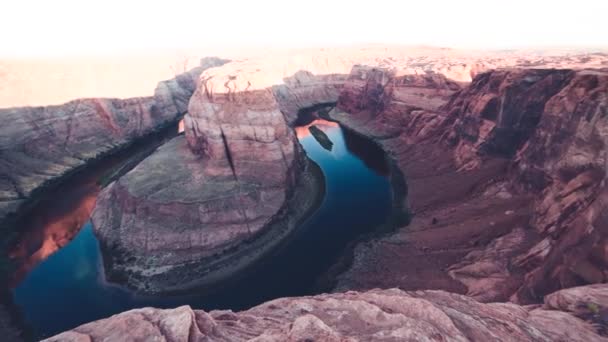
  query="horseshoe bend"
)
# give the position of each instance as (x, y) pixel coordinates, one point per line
(356, 194)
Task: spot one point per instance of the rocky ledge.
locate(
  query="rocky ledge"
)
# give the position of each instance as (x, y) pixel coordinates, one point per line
(376, 315)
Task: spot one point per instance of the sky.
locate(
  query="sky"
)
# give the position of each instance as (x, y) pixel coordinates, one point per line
(69, 27)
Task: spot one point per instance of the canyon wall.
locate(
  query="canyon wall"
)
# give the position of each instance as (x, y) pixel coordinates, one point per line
(505, 181)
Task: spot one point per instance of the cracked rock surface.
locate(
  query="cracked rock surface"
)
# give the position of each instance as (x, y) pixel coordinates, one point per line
(376, 315)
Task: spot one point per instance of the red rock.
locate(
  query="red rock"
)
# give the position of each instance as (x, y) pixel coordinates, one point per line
(545, 128)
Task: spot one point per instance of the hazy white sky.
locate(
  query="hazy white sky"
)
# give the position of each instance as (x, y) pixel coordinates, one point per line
(60, 27)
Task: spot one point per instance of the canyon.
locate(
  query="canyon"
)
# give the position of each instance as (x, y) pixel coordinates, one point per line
(497, 174)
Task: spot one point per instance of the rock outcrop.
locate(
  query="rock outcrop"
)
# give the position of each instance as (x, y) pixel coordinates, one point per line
(565, 161)
(204, 207)
(378, 315)
(505, 181)
(40, 145)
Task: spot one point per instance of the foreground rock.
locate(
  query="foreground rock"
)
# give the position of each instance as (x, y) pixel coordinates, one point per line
(378, 315)
(39, 145)
(505, 181)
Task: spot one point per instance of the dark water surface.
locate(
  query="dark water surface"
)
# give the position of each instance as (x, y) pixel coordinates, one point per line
(67, 288)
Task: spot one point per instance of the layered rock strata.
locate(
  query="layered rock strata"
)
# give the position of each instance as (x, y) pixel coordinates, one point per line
(475, 159)
(504, 180)
(379, 315)
(40, 145)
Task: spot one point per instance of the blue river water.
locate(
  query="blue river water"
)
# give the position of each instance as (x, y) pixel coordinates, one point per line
(68, 289)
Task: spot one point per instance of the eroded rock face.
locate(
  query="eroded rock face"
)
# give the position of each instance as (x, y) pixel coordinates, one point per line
(41, 144)
(505, 180)
(377, 315)
(565, 160)
(500, 110)
(551, 124)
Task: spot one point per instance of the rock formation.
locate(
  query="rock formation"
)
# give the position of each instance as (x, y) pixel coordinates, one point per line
(40, 145)
(505, 182)
(208, 205)
(565, 162)
(377, 315)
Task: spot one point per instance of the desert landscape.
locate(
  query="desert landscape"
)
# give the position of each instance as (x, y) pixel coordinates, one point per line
(488, 168)
(239, 172)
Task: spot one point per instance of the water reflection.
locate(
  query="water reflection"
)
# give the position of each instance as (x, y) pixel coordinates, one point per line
(52, 226)
(303, 131)
(321, 138)
(60, 213)
(180, 126)
(370, 153)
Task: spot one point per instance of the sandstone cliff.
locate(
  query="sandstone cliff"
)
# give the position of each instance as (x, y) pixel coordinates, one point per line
(505, 182)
